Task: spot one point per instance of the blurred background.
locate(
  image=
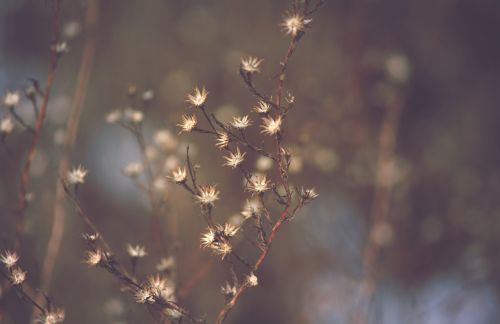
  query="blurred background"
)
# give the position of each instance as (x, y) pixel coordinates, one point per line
(395, 124)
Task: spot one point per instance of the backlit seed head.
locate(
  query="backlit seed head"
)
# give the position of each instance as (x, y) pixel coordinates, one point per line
(6, 125)
(188, 122)
(271, 126)
(294, 23)
(90, 237)
(252, 280)
(262, 107)
(93, 258)
(228, 290)
(133, 169)
(136, 251)
(198, 97)
(12, 98)
(114, 116)
(76, 175)
(9, 259)
(17, 276)
(241, 122)
(222, 140)
(166, 264)
(308, 195)
(134, 116)
(234, 159)
(259, 184)
(208, 195)
(53, 317)
(179, 175)
(250, 64)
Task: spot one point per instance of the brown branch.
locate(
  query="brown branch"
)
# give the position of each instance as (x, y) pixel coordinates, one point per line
(24, 178)
(58, 219)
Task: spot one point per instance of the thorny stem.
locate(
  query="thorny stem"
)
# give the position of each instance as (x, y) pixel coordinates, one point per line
(24, 179)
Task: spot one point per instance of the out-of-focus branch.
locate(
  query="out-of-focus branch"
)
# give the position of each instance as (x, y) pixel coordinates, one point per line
(58, 220)
(24, 178)
(380, 206)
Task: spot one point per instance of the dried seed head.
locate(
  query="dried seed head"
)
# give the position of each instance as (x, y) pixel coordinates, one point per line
(222, 140)
(93, 258)
(294, 23)
(17, 276)
(53, 317)
(308, 195)
(241, 122)
(198, 97)
(90, 237)
(114, 116)
(250, 64)
(166, 264)
(148, 95)
(134, 116)
(262, 107)
(188, 122)
(208, 238)
(228, 290)
(6, 125)
(252, 280)
(165, 139)
(228, 230)
(208, 195)
(133, 169)
(251, 209)
(259, 184)
(76, 175)
(271, 126)
(144, 295)
(136, 251)
(12, 98)
(61, 48)
(234, 159)
(179, 175)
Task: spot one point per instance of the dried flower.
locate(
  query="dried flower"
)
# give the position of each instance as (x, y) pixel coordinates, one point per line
(12, 98)
(215, 240)
(252, 280)
(53, 317)
(270, 125)
(241, 122)
(308, 195)
(133, 169)
(294, 23)
(17, 276)
(179, 175)
(262, 107)
(228, 290)
(144, 295)
(250, 64)
(76, 175)
(114, 116)
(198, 97)
(6, 125)
(165, 264)
(93, 258)
(148, 95)
(222, 140)
(155, 288)
(228, 230)
(251, 209)
(136, 251)
(208, 238)
(61, 48)
(259, 184)
(187, 123)
(208, 195)
(90, 237)
(134, 116)
(234, 159)
(165, 139)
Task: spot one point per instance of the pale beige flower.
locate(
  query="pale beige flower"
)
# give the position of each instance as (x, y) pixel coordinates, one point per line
(6, 125)
(12, 98)
(165, 139)
(234, 159)
(76, 175)
(262, 107)
(17, 276)
(228, 230)
(198, 97)
(250, 64)
(241, 122)
(222, 140)
(208, 238)
(133, 169)
(179, 175)
(271, 126)
(308, 195)
(9, 259)
(252, 280)
(52, 317)
(166, 264)
(208, 195)
(136, 251)
(93, 258)
(134, 116)
(294, 23)
(188, 122)
(114, 116)
(228, 290)
(259, 184)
